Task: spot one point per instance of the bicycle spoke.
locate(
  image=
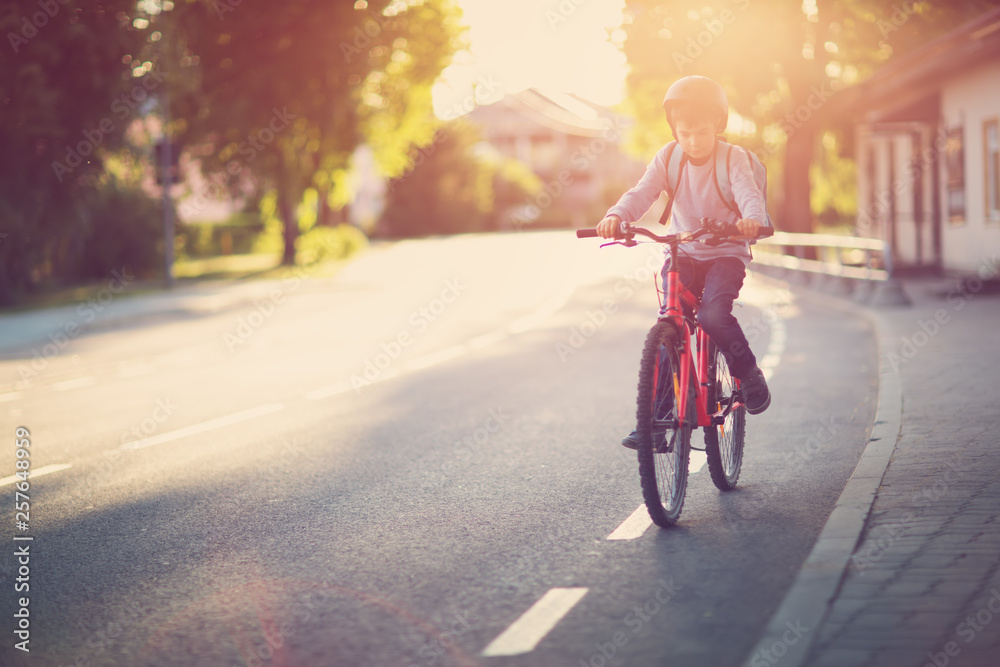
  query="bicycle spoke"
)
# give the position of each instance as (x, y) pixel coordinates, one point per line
(724, 440)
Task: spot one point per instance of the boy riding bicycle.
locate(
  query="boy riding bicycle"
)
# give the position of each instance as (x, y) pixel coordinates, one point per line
(698, 110)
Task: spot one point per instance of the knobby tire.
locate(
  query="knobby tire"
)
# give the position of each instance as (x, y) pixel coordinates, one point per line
(663, 474)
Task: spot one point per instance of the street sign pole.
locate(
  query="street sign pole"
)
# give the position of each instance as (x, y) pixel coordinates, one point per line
(168, 176)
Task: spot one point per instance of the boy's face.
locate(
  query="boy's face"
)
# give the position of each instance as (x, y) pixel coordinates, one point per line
(697, 139)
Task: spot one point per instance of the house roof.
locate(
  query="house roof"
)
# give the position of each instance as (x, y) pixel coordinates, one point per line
(559, 112)
(902, 89)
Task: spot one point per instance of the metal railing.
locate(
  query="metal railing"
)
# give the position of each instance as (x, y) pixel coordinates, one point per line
(846, 265)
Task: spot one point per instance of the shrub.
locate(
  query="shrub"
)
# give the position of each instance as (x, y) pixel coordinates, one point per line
(321, 244)
(236, 236)
(122, 227)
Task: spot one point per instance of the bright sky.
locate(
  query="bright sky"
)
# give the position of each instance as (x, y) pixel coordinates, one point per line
(559, 45)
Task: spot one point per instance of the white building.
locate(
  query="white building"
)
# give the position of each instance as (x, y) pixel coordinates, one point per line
(571, 144)
(928, 150)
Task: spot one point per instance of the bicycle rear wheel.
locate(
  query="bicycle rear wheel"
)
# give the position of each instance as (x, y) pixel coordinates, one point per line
(724, 441)
(664, 439)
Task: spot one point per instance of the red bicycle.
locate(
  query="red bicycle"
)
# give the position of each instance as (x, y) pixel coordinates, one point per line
(683, 386)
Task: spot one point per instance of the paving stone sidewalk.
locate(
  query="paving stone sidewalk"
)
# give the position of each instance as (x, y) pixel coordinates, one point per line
(924, 584)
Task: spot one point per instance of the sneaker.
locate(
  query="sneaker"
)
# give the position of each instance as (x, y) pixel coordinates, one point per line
(756, 396)
(632, 439)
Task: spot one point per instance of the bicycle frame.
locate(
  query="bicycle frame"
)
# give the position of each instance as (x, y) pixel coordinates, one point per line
(693, 366)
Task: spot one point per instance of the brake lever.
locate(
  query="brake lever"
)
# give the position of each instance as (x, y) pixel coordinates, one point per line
(719, 231)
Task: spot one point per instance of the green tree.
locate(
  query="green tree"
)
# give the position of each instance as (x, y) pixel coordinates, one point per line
(287, 91)
(69, 87)
(451, 187)
(834, 180)
(780, 62)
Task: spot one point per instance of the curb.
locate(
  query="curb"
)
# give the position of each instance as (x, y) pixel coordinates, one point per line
(814, 590)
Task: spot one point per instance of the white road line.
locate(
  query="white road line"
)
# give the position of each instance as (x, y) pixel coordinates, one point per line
(10, 396)
(330, 390)
(523, 324)
(547, 308)
(135, 371)
(634, 526)
(44, 470)
(435, 358)
(212, 424)
(697, 459)
(74, 384)
(488, 339)
(345, 386)
(524, 634)
(775, 349)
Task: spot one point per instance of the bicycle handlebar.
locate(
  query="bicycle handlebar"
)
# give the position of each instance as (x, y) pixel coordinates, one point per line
(715, 228)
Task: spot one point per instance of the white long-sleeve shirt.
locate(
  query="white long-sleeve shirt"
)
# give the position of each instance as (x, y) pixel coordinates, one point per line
(697, 197)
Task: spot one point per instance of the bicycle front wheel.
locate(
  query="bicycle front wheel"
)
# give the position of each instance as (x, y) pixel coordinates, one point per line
(664, 438)
(724, 441)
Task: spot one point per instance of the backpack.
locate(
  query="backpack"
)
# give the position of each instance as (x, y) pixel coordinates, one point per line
(724, 154)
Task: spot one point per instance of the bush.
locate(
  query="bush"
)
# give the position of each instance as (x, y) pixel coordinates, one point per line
(321, 244)
(453, 187)
(122, 228)
(236, 236)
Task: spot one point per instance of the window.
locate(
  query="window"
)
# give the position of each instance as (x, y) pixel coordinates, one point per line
(991, 141)
(955, 165)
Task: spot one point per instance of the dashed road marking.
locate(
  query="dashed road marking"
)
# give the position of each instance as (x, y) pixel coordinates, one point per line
(135, 371)
(548, 308)
(531, 627)
(533, 319)
(775, 348)
(330, 390)
(210, 425)
(44, 470)
(697, 460)
(66, 385)
(491, 338)
(435, 358)
(634, 526)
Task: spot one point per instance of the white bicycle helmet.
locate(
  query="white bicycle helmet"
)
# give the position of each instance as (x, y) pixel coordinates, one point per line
(699, 90)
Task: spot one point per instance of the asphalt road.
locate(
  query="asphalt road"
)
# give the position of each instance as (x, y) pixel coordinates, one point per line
(391, 466)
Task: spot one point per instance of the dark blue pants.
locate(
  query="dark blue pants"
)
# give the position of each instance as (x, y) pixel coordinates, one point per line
(717, 282)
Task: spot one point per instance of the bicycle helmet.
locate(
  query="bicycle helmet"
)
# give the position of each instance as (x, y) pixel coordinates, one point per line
(701, 91)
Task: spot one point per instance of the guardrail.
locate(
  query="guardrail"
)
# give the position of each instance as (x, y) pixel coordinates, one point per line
(847, 265)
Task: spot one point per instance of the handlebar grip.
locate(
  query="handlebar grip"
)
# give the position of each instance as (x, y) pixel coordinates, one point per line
(586, 233)
(764, 232)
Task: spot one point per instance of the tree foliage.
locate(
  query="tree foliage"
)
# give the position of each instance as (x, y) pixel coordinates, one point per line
(780, 62)
(272, 96)
(287, 91)
(68, 88)
(451, 188)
